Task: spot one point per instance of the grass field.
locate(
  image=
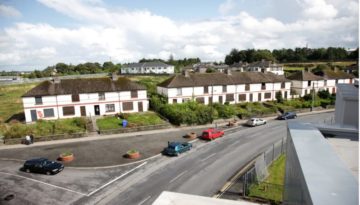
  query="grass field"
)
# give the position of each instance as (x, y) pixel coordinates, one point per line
(134, 119)
(149, 81)
(10, 99)
(293, 68)
(273, 186)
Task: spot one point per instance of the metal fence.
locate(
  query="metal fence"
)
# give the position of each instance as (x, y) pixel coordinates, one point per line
(255, 174)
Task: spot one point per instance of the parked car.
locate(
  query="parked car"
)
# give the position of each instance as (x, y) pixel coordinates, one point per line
(255, 122)
(287, 115)
(211, 134)
(176, 148)
(42, 165)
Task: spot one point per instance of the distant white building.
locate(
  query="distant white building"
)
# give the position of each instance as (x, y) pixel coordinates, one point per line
(228, 87)
(67, 98)
(265, 66)
(147, 68)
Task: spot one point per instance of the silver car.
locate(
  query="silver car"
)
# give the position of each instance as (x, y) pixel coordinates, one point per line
(255, 122)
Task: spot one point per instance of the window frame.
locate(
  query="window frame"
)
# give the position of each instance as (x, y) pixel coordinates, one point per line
(247, 87)
(240, 97)
(48, 109)
(75, 98)
(38, 100)
(267, 95)
(126, 106)
(107, 106)
(134, 94)
(101, 96)
(65, 113)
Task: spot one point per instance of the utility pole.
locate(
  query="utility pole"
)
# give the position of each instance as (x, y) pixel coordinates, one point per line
(313, 96)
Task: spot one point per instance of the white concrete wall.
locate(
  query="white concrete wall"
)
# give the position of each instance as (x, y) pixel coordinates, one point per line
(88, 100)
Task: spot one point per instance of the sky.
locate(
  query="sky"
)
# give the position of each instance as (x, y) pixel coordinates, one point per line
(35, 34)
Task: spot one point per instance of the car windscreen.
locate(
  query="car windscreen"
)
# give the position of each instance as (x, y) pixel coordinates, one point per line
(205, 134)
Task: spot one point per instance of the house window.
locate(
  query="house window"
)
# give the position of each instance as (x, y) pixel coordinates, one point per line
(68, 111)
(200, 100)
(101, 96)
(49, 112)
(128, 106)
(251, 97)
(179, 91)
(336, 81)
(134, 94)
(309, 83)
(267, 95)
(263, 87)
(242, 97)
(325, 82)
(247, 87)
(206, 89)
(109, 108)
(230, 97)
(283, 85)
(38, 101)
(75, 98)
(224, 88)
(174, 101)
(186, 99)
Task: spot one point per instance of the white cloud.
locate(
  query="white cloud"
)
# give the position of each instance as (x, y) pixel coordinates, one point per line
(318, 9)
(9, 11)
(127, 36)
(227, 6)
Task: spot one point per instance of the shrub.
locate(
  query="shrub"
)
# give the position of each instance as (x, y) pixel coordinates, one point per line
(224, 111)
(80, 122)
(324, 94)
(279, 97)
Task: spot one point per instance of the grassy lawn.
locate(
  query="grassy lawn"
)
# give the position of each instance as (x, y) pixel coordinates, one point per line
(272, 187)
(45, 128)
(293, 68)
(10, 99)
(134, 119)
(149, 81)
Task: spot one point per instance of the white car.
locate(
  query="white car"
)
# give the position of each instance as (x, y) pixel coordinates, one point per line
(255, 122)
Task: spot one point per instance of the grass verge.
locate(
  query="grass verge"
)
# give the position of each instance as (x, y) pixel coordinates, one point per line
(273, 186)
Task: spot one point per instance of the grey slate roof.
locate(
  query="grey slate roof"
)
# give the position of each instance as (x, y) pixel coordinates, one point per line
(330, 74)
(85, 85)
(304, 76)
(146, 64)
(207, 79)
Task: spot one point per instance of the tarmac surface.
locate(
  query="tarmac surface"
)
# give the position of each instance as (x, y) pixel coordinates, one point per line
(98, 151)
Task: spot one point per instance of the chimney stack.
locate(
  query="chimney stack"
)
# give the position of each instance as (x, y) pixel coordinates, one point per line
(228, 71)
(114, 77)
(186, 73)
(56, 79)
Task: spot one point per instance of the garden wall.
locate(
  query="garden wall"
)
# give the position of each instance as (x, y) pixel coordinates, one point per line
(135, 129)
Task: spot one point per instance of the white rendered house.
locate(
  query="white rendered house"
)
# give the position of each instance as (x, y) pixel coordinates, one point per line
(69, 98)
(304, 82)
(148, 68)
(228, 87)
(265, 66)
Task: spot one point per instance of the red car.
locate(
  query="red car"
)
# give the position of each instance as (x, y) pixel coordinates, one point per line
(211, 134)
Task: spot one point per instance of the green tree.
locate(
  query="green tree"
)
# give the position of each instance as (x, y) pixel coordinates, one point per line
(279, 97)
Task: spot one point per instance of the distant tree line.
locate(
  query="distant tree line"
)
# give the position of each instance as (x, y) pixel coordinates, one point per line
(69, 69)
(290, 55)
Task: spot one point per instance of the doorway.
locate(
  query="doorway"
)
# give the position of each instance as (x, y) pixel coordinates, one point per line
(83, 111)
(140, 107)
(33, 115)
(97, 109)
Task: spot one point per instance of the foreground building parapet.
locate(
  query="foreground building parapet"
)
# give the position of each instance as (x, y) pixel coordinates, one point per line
(231, 87)
(314, 172)
(67, 98)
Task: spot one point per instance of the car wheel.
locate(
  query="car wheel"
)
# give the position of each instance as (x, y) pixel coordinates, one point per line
(27, 170)
(295, 116)
(264, 123)
(48, 173)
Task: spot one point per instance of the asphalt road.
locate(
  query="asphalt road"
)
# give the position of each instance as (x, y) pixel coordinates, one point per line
(202, 171)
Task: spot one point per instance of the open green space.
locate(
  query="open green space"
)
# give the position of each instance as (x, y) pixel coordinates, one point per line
(149, 81)
(134, 119)
(10, 99)
(272, 187)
